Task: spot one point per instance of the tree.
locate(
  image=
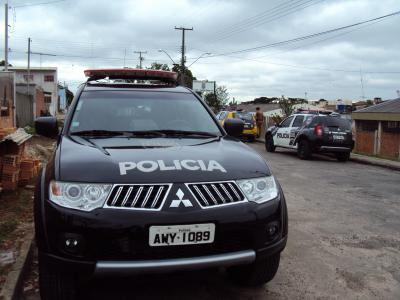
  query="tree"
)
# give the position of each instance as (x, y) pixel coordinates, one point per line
(286, 106)
(188, 75)
(217, 102)
(3, 63)
(158, 66)
(369, 103)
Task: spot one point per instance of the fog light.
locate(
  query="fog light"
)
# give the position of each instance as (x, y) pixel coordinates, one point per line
(71, 243)
(272, 228)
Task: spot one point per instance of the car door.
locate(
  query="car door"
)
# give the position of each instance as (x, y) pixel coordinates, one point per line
(282, 136)
(294, 128)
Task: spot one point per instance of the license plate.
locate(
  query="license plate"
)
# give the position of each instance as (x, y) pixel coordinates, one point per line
(338, 137)
(175, 235)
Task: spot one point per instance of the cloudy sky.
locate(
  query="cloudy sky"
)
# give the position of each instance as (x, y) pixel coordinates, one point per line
(100, 33)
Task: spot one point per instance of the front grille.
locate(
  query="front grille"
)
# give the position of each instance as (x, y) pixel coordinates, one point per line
(216, 193)
(137, 196)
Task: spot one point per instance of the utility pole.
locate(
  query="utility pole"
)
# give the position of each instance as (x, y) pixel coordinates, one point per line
(6, 37)
(140, 57)
(362, 85)
(29, 76)
(183, 53)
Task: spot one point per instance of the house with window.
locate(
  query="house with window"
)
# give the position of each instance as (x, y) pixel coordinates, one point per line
(45, 79)
(377, 129)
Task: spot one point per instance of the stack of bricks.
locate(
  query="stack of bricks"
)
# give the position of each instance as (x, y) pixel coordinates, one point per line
(15, 168)
(6, 131)
(10, 171)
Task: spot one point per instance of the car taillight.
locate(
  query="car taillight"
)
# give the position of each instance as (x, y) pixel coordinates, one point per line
(319, 129)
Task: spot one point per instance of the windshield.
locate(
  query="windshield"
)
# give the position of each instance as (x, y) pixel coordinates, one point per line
(245, 116)
(105, 112)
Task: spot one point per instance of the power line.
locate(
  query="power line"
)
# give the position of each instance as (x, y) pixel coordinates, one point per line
(306, 36)
(269, 18)
(36, 4)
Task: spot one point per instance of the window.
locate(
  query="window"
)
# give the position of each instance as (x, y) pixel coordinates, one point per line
(286, 122)
(391, 126)
(222, 116)
(30, 77)
(298, 122)
(367, 125)
(47, 98)
(49, 78)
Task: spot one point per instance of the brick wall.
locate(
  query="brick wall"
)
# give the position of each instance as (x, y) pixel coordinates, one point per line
(364, 142)
(390, 144)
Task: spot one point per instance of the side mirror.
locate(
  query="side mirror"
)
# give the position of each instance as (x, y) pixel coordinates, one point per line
(277, 125)
(47, 126)
(234, 127)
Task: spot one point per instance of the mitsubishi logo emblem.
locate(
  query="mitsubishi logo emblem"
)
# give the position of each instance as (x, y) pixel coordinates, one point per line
(177, 203)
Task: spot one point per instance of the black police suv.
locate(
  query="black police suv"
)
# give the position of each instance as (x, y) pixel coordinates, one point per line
(312, 133)
(145, 180)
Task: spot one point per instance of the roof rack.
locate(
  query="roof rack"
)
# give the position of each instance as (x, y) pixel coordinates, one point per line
(132, 74)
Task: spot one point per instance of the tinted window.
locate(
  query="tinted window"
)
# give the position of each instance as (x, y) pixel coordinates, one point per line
(337, 122)
(141, 111)
(286, 123)
(298, 122)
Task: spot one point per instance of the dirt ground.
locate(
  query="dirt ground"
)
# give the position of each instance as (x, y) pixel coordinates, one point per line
(344, 241)
(16, 214)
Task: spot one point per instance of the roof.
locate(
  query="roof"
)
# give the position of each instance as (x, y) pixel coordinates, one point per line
(386, 111)
(19, 136)
(32, 69)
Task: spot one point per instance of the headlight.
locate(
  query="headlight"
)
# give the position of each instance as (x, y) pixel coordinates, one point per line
(81, 196)
(259, 189)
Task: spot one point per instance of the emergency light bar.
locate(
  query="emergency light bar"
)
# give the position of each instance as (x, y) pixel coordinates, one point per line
(144, 74)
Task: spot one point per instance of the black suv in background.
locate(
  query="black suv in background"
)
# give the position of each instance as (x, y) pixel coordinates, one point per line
(145, 180)
(312, 133)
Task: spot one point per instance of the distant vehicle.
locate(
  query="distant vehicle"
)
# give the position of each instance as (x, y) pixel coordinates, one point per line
(250, 129)
(312, 133)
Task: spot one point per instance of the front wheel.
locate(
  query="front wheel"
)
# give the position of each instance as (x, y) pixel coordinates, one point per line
(54, 284)
(304, 149)
(343, 156)
(256, 274)
(269, 144)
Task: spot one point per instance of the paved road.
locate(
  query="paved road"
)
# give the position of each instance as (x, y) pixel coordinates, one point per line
(344, 240)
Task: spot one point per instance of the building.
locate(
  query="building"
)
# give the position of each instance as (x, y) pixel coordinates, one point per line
(7, 94)
(26, 97)
(46, 79)
(377, 129)
(65, 97)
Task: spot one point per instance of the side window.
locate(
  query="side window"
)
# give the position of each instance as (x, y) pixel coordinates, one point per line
(286, 122)
(223, 115)
(218, 115)
(298, 122)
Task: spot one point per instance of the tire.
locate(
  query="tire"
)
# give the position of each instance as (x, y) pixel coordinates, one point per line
(342, 156)
(269, 144)
(256, 274)
(304, 149)
(56, 285)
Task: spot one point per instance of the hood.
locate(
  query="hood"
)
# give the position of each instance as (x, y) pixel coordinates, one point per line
(216, 160)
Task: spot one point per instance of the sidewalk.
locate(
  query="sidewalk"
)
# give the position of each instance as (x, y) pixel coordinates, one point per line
(368, 160)
(385, 163)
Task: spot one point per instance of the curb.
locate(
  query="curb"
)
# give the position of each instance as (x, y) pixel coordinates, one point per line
(382, 164)
(361, 160)
(13, 286)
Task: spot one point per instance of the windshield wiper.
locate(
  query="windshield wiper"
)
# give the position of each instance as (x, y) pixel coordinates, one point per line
(97, 132)
(172, 132)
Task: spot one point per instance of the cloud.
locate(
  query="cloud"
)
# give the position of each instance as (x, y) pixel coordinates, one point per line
(99, 33)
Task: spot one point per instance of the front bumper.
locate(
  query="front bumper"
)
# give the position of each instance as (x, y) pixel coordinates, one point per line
(132, 267)
(117, 241)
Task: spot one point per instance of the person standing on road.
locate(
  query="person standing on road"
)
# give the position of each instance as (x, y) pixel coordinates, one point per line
(259, 121)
